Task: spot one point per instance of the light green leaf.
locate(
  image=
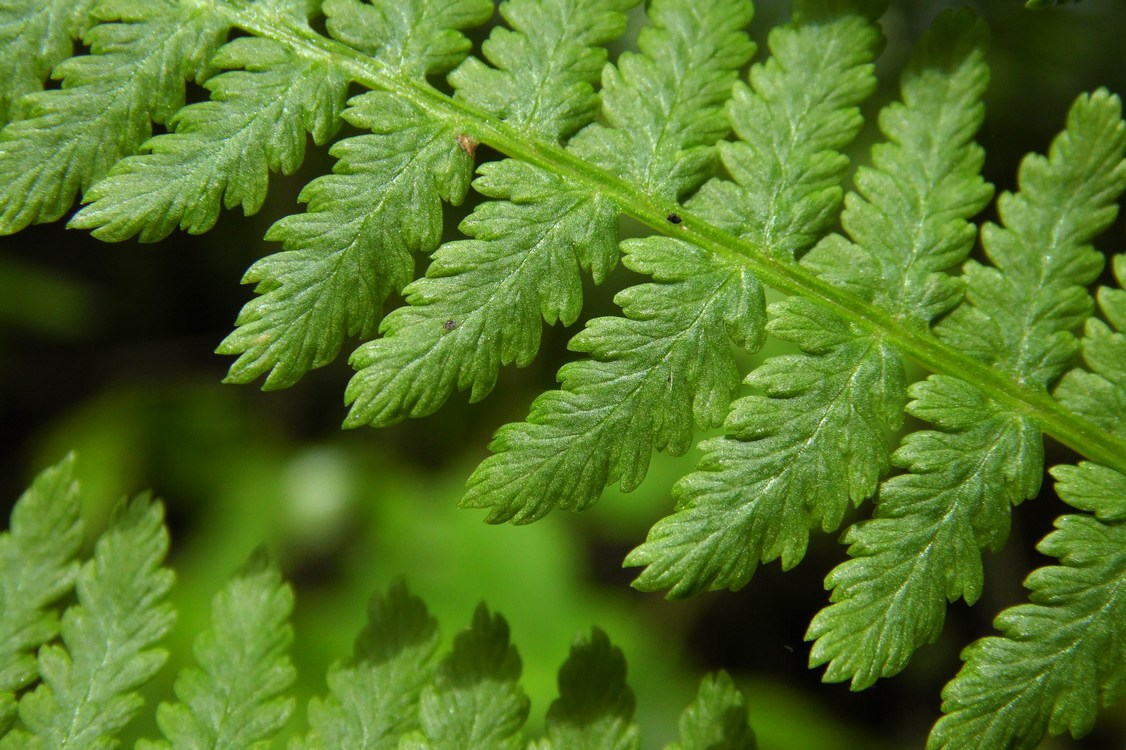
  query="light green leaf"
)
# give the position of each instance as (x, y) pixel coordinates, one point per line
(1058, 658)
(545, 66)
(1093, 488)
(35, 36)
(794, 458)
(664, 106)
(923, 547)
(594, 710)
(68, 138)
(373, 699)
(235, 699)
(37, 568)
(667, 366)
(909, 218)
(222, 150)
(653, 377)
(355, 244)
(798, 111)
(1100, 394)
(962, 479)
(480, 304)
(475, 700)
(717, 719)
(1022, 310)
(410, 37)
(108, 650)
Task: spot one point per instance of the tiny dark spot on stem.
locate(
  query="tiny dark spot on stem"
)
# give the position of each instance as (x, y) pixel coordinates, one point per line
(449, 325)
(674, 218)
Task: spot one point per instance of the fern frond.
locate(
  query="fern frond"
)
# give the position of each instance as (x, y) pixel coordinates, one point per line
(66, 139)
(668, 366)
(931, 523)
(373, 699)
(663, 106)
(545, 65)
(37, 568)
(36, 35)
(595, 705)
(652, 374)
(389, 695)
(717, 719)
(221, 151)
(411, 39)
(89, 682)
(924, 546)
(475, 700)
(347, 252)
(1064, 653)
(815, 440)
(480, 303)
(1099, 394)
(235, 698)
(792, 120)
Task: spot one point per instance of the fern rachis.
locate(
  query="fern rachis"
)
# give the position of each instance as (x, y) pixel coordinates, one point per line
(894, 285)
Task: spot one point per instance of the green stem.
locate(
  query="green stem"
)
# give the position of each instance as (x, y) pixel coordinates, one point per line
(919, 345)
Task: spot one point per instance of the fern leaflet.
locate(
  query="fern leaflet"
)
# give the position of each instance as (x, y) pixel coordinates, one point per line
(89, 682)
(235, 697)
(815, 440)
(389, 694)
(37, 568)
(931, 522)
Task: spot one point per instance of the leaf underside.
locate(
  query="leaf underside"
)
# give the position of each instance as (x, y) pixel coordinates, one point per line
(745, 178)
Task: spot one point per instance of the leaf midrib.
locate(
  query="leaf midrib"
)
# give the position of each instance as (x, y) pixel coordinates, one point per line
(921, 346)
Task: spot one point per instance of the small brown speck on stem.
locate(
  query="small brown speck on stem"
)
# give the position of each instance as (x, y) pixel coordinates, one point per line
(467, 144)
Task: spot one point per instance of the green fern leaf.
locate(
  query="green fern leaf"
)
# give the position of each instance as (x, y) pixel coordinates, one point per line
(482, 299)
(664, 105)
(798, 112)
(108, 639)
(1023, 312)
(410, 39)
(348, 252)
(480, 304)
(1099, 394)
(815, 440)
(1064, 653)
(652, 375)
(594, 710)
(37, 568)
(717, 719)
(924, 546)
(373, 700)
(749, 499)
(235, 699)
(68, 138)
(475, 700)
(545, 65)
(667, 366)
(222, 150)
(36, 35)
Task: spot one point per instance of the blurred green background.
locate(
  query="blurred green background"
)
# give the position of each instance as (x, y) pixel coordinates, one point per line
(107, 350)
